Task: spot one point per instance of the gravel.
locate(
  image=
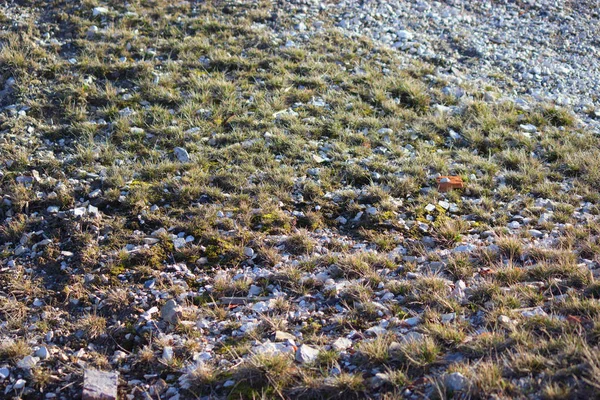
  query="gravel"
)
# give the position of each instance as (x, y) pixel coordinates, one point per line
(547, 49)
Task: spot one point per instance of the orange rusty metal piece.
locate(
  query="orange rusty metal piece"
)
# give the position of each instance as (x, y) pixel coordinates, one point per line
(447, 183)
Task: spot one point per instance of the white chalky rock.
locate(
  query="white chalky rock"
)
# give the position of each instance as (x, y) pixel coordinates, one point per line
(99, 11)
(171, 312)
(99, 385)
(306, 354)
(27, 362)
(342, 344)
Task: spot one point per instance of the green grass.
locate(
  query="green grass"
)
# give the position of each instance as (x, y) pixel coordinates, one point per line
(272, 169)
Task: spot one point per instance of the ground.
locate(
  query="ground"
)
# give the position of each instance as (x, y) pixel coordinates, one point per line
(219, 201)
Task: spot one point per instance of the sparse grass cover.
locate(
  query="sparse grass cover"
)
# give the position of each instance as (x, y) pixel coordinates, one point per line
(308, 168)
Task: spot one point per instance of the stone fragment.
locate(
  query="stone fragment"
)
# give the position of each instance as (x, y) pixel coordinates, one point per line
(27, 362)
(171, 312)
(281, 336)
(100, 385)
(42, 353)
(306, 354)
(342, 344)
(456, 382)
(181, 154)
(99, 11)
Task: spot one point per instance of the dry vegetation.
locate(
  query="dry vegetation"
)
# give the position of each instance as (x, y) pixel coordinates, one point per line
(285, 143)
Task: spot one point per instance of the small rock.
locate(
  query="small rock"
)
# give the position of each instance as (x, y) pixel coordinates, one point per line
(342, 344)
(171, 312)
(167, 354)
(42, 353)
(254, 290)
(514, 225)
(100, 385)
(465, 248)
(4, 373)
(19, 384)
(260, 307)
(248, 252)
(537, 311)
(27, 362)
(99, 11)
(181, 154)
(456, 382)
(404, 35)
(505, 321)
(535, 233)
(281, 336)
(306, 354)
(414, 321)
(528, 128)
(376, 331)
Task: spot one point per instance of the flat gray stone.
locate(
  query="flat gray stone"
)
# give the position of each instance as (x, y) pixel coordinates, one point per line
(306, 354)
(181, 154)
(100, 385)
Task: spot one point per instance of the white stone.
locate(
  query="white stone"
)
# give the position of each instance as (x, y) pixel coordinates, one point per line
(414, 321)
(27, 362)
(167, 354)
(42, 353)
(537, 311)
(535, 233)
(465, 248)
(306, 354)
(19, 384)
(456, 382)
(342, 344)
(181, 154)
(99, 11)
(404, 35)
(171, 312)
(100, 385)
(528, 128)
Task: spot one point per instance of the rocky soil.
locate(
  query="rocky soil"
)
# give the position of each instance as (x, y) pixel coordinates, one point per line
(241, 200)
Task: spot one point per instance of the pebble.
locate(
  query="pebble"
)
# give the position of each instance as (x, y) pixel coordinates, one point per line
(99, 11)
(306, 354)
(456, 382)
(42, 353)
(181, 154)
(19, 384)
(171, 312)
(342, 344)
(167, 353)
(27, 362)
